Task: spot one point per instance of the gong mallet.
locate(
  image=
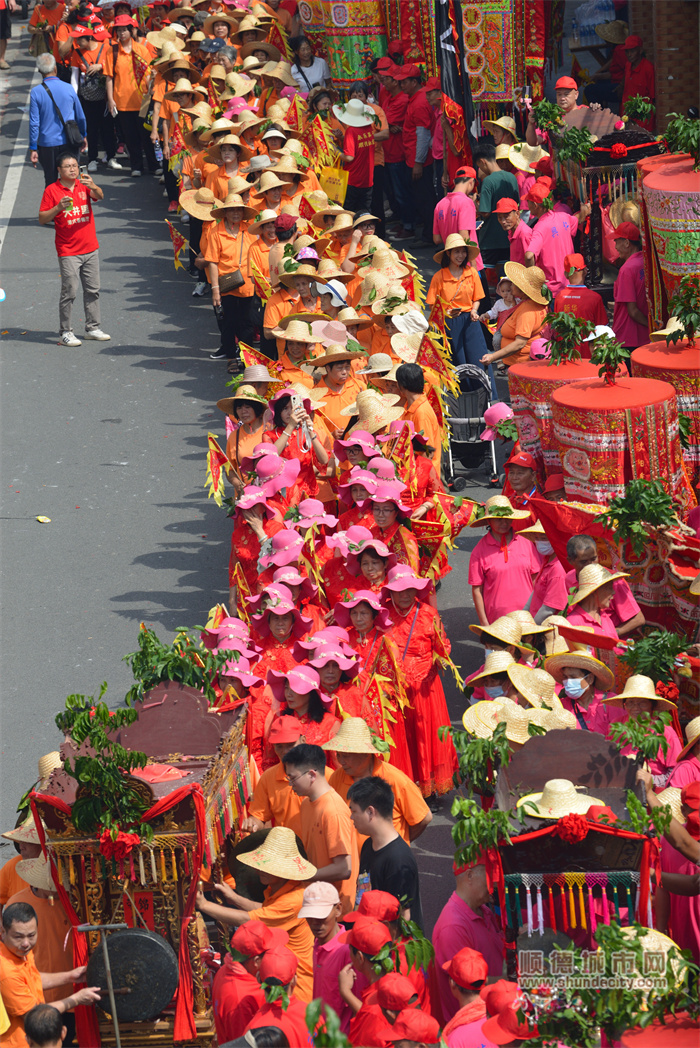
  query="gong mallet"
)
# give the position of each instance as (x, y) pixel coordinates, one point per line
(108, 970)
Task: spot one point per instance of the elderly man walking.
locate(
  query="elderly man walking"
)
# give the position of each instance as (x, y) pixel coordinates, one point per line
(68, 204)
(51, 105)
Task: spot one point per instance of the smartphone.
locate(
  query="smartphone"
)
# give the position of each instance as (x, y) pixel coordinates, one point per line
(82, 170)
(297, 401)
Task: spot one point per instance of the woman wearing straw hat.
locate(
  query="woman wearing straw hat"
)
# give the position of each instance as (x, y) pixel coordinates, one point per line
(502, 565)
(247, 409)
(292, 432)
(295, 344)
(586, 681)
(687, 769)
(527, 319)
(225, 252)
(371, 412)
(227, 153)
(590, 604)
(502, 130)
(25, 838)
(639, 697)
(357, 151)
(492, 681)
(338, 387)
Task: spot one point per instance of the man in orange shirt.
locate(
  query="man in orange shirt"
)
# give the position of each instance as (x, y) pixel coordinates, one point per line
(45, 18)
(22, 985)
(358, 758)
(284, 874)
(326, 827)
(411, 382)
(54, 949)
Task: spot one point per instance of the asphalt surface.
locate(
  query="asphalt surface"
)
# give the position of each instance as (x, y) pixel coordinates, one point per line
(109, 441)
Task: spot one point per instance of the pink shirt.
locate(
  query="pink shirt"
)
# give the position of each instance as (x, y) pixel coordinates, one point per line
(629, 287)
(686, 772)
(525, 184)
(469, 1036)
(693, 520)
(685, 910)
(598, 717)
(459, 926)
(519, 239)
(507, 585)
(550, 587)
(578, 617)
(550, 244)
(623, 606)
(454, 212)
(328, 961)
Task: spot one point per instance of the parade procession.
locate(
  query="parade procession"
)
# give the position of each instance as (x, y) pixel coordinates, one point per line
(404, 744)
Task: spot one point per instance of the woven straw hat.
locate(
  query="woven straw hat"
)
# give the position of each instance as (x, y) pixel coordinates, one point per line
(505, 629)
(671, 797)
(249, 24)
(244, 394)
(283, 71)
(386, 262)
(524, 156)
(640, 687)
(233, 200)
(528, 279)
(201, 109)
(279, 856)
(625, 211)
(499, 502)
(558, 798)
(198, 203)
(580, 660)
(349, 316)
(238, 184)
(495, 662)
(535, 685)
(287, 165)
(406, 347)
(554, 643)
(591, 578)
(25, 833)
(527, 622)
(219, 126)
(534, 532)
(36, 872)
(374, 411)
(334, 354)
(506, 123)
(394, 302)
(375, 286)
(221, 16)
(327, 270)
(615, 32)
(692, 734)
(214, 152)
(476, 718)
(353, 736)
(304, 269)
(269, 180)
(694, 587)
(296, 331)
(513, 716)
(238, 86)
(48, 763)
(182, 87)
(558, 718)
(455, 240)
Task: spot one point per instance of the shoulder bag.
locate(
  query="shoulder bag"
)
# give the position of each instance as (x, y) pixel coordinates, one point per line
(74, 136)
(231, 281)
(92, 87)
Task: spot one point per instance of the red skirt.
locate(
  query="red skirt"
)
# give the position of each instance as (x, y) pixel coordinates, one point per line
(434, 761)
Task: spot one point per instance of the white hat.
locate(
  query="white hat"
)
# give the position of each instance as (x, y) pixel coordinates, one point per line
(334, 288)
(354, 113)
(412, 323)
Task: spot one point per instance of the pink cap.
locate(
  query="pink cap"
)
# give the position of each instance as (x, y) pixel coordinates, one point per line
(319, 900)
(228, 627)
(396, 428)
(492, 416)
(257, 600)
(240, 670)
(402, 578)
(254, 496)
(539, 349)
(334, 637)
(302, 679)
(248, 463)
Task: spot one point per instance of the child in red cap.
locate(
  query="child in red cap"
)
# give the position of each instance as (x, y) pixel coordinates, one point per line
(414, 1029)
(279, 968)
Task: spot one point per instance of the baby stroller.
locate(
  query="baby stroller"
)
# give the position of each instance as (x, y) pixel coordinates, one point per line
(465, 415)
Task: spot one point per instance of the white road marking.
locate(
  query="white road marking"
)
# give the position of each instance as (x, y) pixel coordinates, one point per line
(14, 170)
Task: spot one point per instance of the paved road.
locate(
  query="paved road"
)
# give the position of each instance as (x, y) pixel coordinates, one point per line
(109, 441)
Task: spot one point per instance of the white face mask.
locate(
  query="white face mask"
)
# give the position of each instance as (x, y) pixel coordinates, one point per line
(544, 547)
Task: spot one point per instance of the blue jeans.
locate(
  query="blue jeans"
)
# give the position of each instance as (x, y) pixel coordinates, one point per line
(401, 185)
(468, 344)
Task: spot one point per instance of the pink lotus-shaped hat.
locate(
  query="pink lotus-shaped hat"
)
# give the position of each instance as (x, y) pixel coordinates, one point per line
(349, 664)
(242, 645)
(355, 551)
(275, 473)
(341, 610)
(240, 671)
(402, 578)
(359, 438)
(290, 576)
(334, 637)
(391, 491)
(342, 539)
(492, 416)
(254, 496)
(396, 428)
(260, 450)
(302, 679)
(357, 476)
(308, 514)
(259, 600)
(228, 627)
(277, 605)
(382, 468)
(286, 547)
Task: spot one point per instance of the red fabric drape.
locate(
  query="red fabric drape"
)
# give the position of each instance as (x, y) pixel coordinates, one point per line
(86, 1020)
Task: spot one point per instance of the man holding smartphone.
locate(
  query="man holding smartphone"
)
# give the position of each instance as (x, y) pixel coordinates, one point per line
(67, 203)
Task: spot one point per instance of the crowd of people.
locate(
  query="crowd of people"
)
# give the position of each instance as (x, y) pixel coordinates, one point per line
(334, 445)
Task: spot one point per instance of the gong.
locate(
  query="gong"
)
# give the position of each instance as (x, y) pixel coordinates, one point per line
(144, 974)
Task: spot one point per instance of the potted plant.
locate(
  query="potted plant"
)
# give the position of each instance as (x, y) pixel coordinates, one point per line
(184, 661)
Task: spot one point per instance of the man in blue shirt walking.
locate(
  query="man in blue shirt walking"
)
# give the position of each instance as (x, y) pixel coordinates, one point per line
(47, 136)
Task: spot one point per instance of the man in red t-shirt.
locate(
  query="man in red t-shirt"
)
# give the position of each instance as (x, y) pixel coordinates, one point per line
(639, 77)
(358, 152)
(418, 127)
(394, 100)
(67, 203)
(578, 299)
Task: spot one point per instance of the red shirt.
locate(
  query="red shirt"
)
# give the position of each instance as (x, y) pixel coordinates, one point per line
(640, 81)
(232, 983)
(394, 107)
(583, 303)
(419, 113)
(75, 229)
(291, 1021)
(359, 144)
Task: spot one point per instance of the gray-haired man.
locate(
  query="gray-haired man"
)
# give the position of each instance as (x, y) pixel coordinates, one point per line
(47, 135)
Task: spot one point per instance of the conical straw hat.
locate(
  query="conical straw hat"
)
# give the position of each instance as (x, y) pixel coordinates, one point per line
(374, 286)
(503, 628)
(513, 716)
(692, 734)
(279, 856)
(353, 736)
(640, 687)
(198, 202)
(528, 279)
(551, 719)
(535, 685)
(527, 623)
(374, 411)
(48, 763)
(36, 872)
(591, 578)
(671, 797)
(558, 798)
(496, 662)
(581, 660)
(481, 718)
(26, 833)
(387, 263)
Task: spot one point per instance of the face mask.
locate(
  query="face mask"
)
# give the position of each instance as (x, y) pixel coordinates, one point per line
(544, 547)
(494, 691)
(575, 688)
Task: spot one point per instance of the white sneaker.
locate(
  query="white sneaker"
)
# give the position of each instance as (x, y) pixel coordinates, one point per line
(200, 289)
(136, 174)
(114, 165)
(98, 335)
(158, 170)
(92, 166)
(67, 338)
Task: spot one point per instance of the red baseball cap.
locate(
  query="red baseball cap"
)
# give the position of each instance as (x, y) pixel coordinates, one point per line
(380, 906)
(523, 458)
(279, 963)
(555, 482)
(254, 938)
(284, 222)
(412, 1025)
(285, 729)
(385, 65)
(499, 991)
(121, 20)
(539, 192)
(407, 72)
(505, 1026)
(627, 231)
(543, 166)
(467, 967)
(632, 41)
(574, 262)
(81, 30)
(432, 83)
(690, 795)
(395, 992)
(395, 47)
(367, 936)
(566, 83)
(465, 172)
(505, 205)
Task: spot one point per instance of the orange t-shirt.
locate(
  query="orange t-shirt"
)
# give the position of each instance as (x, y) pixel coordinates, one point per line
(160, 86)
(20, 987)
(10, 880)
(260, 255)
(421, 414)
(280, 910)
(205, 167)
(61, 35)
(457, 292)
(42, 14)
(50, 954)
(128, 93)
(409, 806)
(275, 801)
(230, 253)
(526, 321)
(327, 832)
(334, 402)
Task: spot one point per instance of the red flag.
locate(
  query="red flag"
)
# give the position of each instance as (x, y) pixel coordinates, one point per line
(279, 39)
(437, 314)
(428, 357)
(260, 283)
(561, 520)
(296, 114)
(433, 398)
(179, 243)
(402, 454)
(216, 461)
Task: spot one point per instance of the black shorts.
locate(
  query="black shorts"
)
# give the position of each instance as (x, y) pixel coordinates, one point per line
(5, 24)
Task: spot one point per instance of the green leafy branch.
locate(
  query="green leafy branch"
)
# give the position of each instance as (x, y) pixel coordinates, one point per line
(639, 108)
(507, 429)
(685, 426)
(479, 759)
(324, 1026)
(645, 504)
(184, 661)
(548, 116)
(476, 830)
(575, 145)
(655, 654)
(683, 136)
(644, 733)
(567, 332)
(609, 355)
(685, 307)
(274, 991)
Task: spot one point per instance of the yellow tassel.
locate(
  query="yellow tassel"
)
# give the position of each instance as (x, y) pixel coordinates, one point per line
(163, 874)
(173, 864)
(154, 871)
(71, 870)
